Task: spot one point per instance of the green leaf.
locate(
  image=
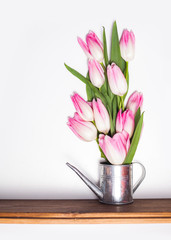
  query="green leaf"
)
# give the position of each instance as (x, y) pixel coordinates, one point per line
(119, 102)
(137, 117)
(105, 47)
(108, 87)
(87, 82)
(76, 74)
(134, 142)
(115, 49)
(109, 92)
(112, 130)
(90, 93)
(103, 89)
(114, 111)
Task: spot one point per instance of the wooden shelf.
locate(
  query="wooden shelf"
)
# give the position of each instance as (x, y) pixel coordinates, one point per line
(84, 212)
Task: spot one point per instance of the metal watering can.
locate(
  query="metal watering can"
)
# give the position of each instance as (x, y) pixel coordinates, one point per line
(116, 183)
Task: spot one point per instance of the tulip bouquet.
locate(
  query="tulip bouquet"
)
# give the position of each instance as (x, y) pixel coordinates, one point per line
(105, 117)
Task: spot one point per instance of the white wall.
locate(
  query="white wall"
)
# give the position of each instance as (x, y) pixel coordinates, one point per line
(36, 38)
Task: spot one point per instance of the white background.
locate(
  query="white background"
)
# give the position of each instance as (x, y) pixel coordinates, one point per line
(36, 38)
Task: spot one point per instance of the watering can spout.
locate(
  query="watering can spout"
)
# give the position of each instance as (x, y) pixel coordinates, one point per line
(91, 185)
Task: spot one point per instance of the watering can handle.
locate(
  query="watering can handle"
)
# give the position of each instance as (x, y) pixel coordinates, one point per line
(139, 181)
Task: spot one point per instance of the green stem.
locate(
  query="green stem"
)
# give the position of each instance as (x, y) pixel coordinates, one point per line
(112, 130)
(122, 103)
(109, 98)
(126, 75)
(108, 91)
(127, 79)
(126, 70)
(103, 66)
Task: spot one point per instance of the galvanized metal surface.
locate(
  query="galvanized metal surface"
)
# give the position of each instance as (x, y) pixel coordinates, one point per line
(116, 183)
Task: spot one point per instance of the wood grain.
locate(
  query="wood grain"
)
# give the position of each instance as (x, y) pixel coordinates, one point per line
(84, 211)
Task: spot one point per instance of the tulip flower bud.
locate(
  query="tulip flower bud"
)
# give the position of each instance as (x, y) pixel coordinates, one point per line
(135, 101)
(93, 48)
(101, 116)
(82, 107)
(96, 73)
(115, 148)
(84, 130)
(127, 45)
(125, 121)
(116, 79)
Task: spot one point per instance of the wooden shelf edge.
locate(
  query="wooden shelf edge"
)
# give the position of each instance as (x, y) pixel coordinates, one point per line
(95, 215)
(142, 211)
(85, 221)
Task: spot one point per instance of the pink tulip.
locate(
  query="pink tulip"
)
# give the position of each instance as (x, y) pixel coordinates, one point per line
(82, 107)
(101, 116)
(116, 79)
(116, 148)
(93, 48)
(84, 130)
(135, 101)
(127, 45)
(125, 121)
(96, 73)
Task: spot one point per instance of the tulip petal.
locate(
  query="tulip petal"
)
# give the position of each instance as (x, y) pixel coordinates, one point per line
(126, 140)
(85, 48)
(125, 121)
(115, 149)
(120, 81)
(84, 130)
(82, 107)
(95, 38)
(127, 45)
(96, 73)
(101, 116)
(135, 101)
(119, 125)
(95, 46)
(116, 79)
(128, 122)
(72, 125)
